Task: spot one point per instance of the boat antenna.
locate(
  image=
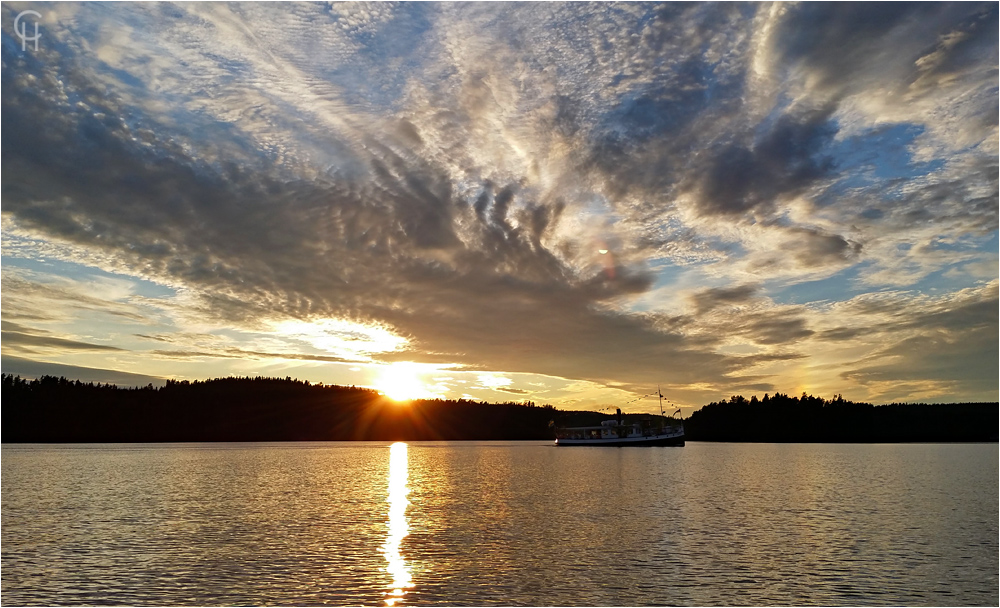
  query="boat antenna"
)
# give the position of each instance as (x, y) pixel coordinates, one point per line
(661, 398)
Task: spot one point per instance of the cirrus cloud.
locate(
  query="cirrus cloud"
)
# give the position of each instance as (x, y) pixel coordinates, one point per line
(510, 188)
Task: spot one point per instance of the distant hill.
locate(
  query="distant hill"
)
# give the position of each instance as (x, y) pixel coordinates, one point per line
(58, 410)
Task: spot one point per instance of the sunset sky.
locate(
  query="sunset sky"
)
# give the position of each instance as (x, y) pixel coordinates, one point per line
(559, 202)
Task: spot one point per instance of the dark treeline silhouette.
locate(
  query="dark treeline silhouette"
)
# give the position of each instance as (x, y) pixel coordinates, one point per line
(51, 409)
(780, 418)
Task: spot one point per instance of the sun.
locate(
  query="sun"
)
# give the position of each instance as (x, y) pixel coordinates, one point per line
(402, 382)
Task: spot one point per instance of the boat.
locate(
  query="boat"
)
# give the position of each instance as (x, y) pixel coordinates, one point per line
(644, 430)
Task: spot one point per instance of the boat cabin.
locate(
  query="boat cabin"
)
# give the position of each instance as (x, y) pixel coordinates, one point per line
(609, 429)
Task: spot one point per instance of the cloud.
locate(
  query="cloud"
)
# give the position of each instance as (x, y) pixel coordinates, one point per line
(813, 248)
(776, 328)
(26, 340)
(450, 173)
(27, 368)
(238, 353)
(263, 248)
(842, 333)
(514, 391)
(932, 346)
(742, 313)
(931, 364)
(190, 354)
(783, 163)
(167, 339)
(26, 297)
(710, 299)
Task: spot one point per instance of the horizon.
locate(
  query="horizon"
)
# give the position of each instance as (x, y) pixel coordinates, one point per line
(752, 399)
(575, 204)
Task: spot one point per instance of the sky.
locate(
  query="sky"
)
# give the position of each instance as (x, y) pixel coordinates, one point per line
(567, 203)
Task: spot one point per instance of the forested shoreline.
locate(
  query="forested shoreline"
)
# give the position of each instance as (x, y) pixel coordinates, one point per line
(783, 419)
(57, 410)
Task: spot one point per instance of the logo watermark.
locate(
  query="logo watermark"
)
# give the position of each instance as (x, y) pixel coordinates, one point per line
(21, 29)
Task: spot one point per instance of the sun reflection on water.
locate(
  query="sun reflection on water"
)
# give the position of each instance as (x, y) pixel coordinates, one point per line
(398, 528)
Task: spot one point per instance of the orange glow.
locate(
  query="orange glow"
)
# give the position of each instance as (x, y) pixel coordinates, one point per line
(402, 382)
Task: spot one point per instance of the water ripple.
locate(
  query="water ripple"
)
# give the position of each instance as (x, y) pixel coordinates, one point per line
(485, 524)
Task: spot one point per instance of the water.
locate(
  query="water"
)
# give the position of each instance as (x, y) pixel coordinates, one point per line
(518, 523)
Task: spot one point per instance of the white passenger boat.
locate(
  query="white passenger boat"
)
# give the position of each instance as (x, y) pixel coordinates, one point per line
(615, 434)
(647, 430)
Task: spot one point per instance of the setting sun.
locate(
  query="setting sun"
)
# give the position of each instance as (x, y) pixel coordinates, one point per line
(403, 381)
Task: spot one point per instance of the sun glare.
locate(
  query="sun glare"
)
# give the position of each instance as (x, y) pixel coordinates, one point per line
(342, 337)
(403, 381)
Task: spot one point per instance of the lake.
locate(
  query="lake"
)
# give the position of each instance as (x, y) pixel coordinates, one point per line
(499, 523)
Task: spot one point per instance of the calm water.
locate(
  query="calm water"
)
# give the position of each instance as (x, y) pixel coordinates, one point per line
(499, 523)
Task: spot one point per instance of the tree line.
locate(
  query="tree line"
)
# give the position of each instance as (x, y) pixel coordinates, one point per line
(51, 409)
(781, 418)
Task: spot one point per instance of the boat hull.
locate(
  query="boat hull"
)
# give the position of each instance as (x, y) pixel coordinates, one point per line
(619, 442)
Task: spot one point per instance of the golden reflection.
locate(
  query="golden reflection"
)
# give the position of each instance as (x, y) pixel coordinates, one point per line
(398, 528)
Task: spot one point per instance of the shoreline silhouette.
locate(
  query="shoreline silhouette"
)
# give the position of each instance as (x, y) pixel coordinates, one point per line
(57, 410)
